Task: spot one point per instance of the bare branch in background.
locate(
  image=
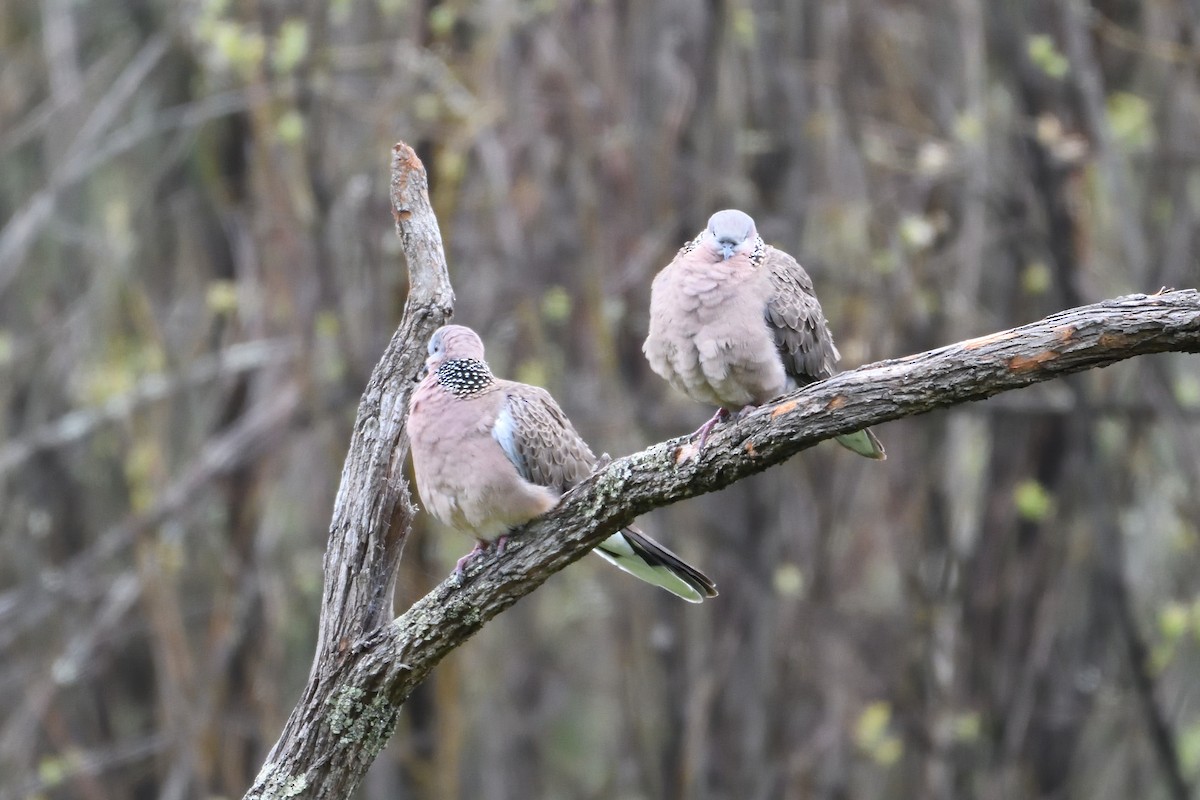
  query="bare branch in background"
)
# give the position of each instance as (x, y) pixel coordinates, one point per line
(78, 424)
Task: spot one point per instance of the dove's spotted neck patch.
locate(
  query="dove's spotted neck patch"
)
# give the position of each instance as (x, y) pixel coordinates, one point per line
(464, 377)
(757, 251)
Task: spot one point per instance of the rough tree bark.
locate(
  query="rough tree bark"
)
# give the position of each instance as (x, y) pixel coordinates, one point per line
(367, 663)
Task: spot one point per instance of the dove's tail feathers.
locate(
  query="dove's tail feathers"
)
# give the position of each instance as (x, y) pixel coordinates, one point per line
(863, 442)
(647, 560)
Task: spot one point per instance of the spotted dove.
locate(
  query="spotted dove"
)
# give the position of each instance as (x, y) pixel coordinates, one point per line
(734, 322)
(490, 455)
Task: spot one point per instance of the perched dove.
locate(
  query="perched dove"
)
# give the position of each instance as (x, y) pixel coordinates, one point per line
(734, 322)
(491, 454)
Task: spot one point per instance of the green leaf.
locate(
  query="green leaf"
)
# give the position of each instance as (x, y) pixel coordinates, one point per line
(1173, 620)
(390, 8)
(291, 46)
(221, 297)
(54, 770)
(1035, 278)
(968, 128)
(967, 726)
(441, 20)
(917, 232)
(451, 164)
(872, 723)
(533, 371)
(1189, 748)
(238, 45)
(1046, 56)
(743, 25)
(556, 304)
(290, 127)
(1034, 503)
(1187, 391)
(872, 736)
(788, 580)
(1131, 120)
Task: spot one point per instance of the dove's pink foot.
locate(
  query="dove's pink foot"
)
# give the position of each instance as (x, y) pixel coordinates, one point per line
(704, 430)
(745, 410)
(480, 546)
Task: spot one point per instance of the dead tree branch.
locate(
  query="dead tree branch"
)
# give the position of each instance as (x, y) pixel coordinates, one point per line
(323, 750)
(367, 663)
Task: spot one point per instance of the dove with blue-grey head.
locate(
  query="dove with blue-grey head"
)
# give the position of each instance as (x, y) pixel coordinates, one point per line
(735, 322)
(490, 455)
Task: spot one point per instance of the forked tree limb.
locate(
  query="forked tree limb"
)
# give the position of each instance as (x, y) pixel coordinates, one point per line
(367, 664)
(372, 515)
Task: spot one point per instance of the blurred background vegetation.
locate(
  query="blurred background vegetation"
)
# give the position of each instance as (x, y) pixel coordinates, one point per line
(198, 270)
